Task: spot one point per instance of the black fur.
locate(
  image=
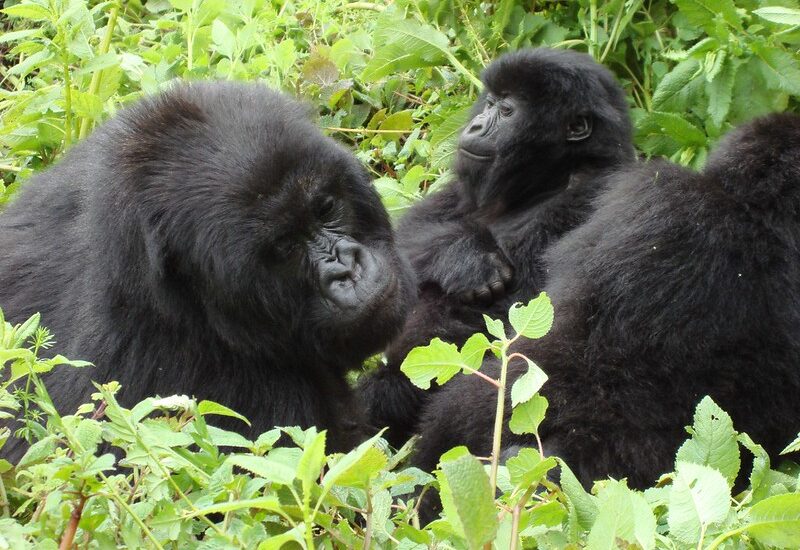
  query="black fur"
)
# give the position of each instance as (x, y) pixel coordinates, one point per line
(501, 215)
(205, 242)
(680, 285)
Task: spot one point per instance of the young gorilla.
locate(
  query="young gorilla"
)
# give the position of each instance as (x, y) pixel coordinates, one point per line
(209, 241)
(549, 124)
(680, 285)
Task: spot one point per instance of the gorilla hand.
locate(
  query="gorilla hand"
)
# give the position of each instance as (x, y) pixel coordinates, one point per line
(474, 269)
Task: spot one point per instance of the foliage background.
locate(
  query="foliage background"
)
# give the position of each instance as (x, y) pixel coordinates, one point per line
(393, 80)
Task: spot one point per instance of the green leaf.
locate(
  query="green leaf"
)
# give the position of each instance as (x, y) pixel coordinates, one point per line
(528, 467)
(534, 319)
(720, 92)
(622, 515)
(704, 13)
(276, 471)
(310, 465)
(526, 417)
(206, 407)
(775, 521)
(30, 11)
(780, 68)
(673, 84)
(713, 441)
(224, 40)
(779, 14)
(495, 327)
(759, 474)
(355, 467)
(792, 447)
(582, 505)
(403, 44)
(359, 473)
(700, 497)
(467, 497)
(39, 451)
(474, 349)
(528, 384)
(438, 360)
(676, 127)
(270, 503)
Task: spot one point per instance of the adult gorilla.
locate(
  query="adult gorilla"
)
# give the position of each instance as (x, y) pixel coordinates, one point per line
(680, 285)
(549, 124)
(210, 241)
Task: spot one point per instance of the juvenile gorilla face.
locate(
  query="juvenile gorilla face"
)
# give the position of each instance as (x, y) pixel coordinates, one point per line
(283, 238)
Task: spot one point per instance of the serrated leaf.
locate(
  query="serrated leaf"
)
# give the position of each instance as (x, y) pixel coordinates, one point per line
(673, 84)
(528, 384)
(403, 44)
(780, 68)
(276, 471)
(534, 319)
(438, 360)
(206, 407)
(792, 447)
(779, 14)
(582, 505)
(623, 515)
(713, 441)
(467, 498)
(223, 38)
(677, 128)
(704, 13)
(775, 521)
(495, 327)
(761, 465)
(30, 11)
(528, 467)
(700, 497)
(354, 467)
(526, 417)
(474, 349)
(310, 465)
(720, 93)
(359, 473)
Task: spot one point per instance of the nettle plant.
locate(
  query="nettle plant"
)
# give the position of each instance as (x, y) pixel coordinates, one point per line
(159, 476)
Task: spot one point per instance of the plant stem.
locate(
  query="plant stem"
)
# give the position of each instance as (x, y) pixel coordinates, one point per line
(94, 85)
(498, 418)
(368, 529)
(72, 526)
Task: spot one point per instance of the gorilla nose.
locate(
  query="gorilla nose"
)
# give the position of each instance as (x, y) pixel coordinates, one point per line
(343, 271)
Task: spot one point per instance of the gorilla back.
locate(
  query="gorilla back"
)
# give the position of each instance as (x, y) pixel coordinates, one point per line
(679, 285)
(209, 241)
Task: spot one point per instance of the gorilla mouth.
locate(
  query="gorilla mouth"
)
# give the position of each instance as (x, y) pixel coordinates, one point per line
(476, 156)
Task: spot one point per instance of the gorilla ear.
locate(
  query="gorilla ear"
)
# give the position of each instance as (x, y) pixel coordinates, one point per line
(579, 128)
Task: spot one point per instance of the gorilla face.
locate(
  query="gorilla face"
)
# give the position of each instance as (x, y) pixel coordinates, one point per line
(292, 241)
(544, 113)
(503, 124)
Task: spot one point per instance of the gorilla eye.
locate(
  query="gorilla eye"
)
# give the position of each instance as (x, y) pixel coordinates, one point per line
(326, 207)
(506, 109)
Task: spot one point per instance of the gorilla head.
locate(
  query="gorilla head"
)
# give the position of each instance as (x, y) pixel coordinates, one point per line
(292, 240)
(545, 113)
(213, 243)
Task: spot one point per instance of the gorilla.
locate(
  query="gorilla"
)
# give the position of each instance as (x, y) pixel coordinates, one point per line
(210, 241)
(680, 285)
(550, 123)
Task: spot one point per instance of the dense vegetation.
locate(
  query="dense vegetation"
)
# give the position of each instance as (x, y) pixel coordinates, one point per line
(394, 80)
